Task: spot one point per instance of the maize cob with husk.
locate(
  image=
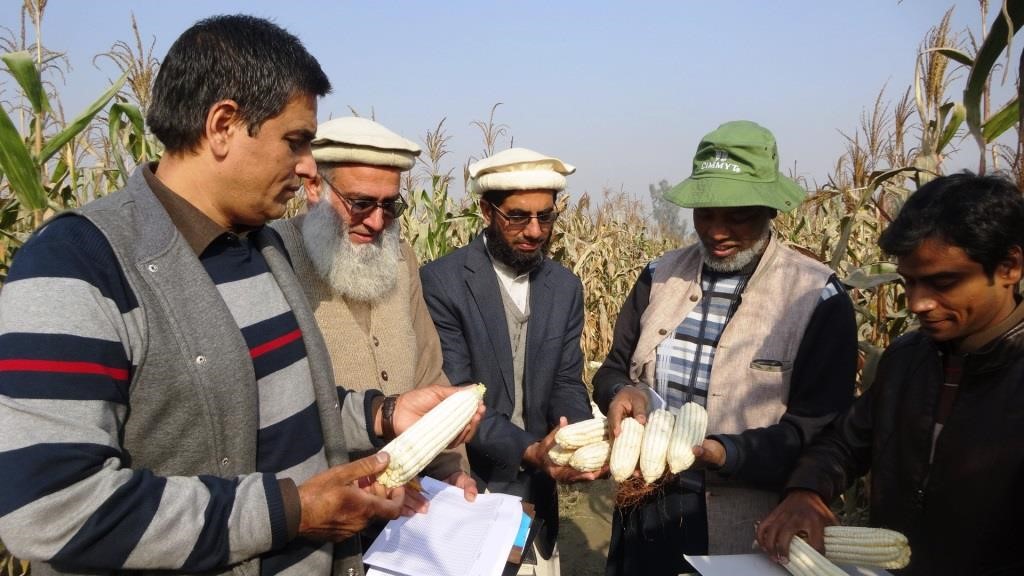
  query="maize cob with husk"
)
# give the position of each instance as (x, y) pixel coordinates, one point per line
(804, 560)
(590, 457)
(414, 448)
(867, 546)
(626, 449)
(560, 455)
(581, 433)
(689, 430)
(655, 445)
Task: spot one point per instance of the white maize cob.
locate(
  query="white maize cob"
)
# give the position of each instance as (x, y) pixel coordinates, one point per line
(804, 560)
(581, 433)
(655, 444)
(626, 449)
(689, 430)
(590, 457)
(867, 546)
(560, 455)
(414, 448)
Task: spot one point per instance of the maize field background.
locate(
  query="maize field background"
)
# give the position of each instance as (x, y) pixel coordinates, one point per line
(51, 160)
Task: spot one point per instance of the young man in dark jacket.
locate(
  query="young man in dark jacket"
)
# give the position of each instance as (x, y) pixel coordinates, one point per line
(940, 428)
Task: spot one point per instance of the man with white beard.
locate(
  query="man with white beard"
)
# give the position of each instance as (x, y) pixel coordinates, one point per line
(761, 336)
(361, 279)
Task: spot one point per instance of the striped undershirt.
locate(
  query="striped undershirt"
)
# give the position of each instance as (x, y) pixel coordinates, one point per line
(683, 362)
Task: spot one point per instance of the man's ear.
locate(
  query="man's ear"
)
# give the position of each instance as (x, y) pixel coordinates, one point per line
(485, 211)
(222, 123)
(314, 189)
(1011, 268)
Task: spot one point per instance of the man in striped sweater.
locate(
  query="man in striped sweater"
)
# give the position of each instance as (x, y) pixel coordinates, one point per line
(167, 399)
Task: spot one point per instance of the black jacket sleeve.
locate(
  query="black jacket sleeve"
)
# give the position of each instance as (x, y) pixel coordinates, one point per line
(822, 387)
(614, 372)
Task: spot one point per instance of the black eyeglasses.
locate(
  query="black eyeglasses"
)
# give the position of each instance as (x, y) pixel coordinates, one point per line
(362, 207)
(544, 219)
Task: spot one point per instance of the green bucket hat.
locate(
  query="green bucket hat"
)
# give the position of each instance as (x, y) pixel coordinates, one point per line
(737, 165)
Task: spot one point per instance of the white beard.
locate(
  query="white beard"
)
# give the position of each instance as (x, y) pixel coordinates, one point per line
(739, 260)
(361, 272)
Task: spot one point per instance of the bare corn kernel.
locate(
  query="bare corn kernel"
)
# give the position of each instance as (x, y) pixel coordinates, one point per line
(560, 455)
(689, 431)
(414, 448)
(581, 433)
(590, 457)
(626, 449)
(655, 444)
(880, 547)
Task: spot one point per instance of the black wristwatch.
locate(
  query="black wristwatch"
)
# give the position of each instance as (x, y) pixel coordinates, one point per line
(387, 416)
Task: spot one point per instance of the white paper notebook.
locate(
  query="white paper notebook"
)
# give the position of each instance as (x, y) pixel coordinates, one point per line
(454, 537)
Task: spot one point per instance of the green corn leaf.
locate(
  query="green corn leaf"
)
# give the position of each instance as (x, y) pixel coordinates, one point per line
(1001, 121)
(995, 43)
(16, 161)
(80, 123)
(955, 121)
(23, 67)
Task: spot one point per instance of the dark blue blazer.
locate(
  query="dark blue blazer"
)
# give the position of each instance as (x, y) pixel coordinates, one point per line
(464, 299)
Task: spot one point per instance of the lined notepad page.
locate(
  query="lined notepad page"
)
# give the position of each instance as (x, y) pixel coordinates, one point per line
(454, 538)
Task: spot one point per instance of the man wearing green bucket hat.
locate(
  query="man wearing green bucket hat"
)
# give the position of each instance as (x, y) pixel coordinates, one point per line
(760, 335)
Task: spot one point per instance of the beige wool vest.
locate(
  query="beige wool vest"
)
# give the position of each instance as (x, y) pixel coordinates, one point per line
(390, 345)
(768, 325)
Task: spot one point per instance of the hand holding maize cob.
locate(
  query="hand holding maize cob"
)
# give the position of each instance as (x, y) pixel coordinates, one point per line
(591, 457)
(417, 445)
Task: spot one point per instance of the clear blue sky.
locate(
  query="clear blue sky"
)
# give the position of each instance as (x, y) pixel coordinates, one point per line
(622, 90)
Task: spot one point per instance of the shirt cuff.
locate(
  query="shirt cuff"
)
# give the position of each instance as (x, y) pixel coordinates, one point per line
(732, 455)
(277, 510)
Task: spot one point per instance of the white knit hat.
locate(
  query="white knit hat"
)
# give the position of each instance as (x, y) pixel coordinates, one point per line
(518, 169)
(363, 141)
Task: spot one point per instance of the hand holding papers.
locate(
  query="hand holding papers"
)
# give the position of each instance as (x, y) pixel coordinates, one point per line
(454, 537)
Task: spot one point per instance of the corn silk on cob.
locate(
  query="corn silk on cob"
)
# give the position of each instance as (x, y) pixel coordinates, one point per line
(804, 560)
(626, 449)
(867, 546)
(689, 431)
(591, 457)
(581, 433)
(655, 445)
(414, 448)
(560, 455)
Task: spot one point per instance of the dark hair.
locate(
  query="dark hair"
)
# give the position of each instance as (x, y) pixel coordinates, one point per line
(982, 215)
(497, 197)
(252, 61)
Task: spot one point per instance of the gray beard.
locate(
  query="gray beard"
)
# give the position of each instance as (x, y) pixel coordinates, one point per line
(360, 272)
(739, 260)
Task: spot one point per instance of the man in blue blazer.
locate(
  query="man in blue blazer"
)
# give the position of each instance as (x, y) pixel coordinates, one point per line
(511, 318)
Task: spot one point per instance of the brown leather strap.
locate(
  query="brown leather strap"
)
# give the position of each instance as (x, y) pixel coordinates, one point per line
(387, 416)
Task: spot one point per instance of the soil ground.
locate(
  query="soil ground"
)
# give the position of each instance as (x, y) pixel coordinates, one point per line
(585, 527)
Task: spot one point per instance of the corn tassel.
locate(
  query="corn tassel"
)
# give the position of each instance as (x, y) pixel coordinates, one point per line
(559, 455)
(689, 431)
(414, 448)
(590, 457)
(581, 433)
(655, 444)
(867, 546)
(626, 449)
(804, 560)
